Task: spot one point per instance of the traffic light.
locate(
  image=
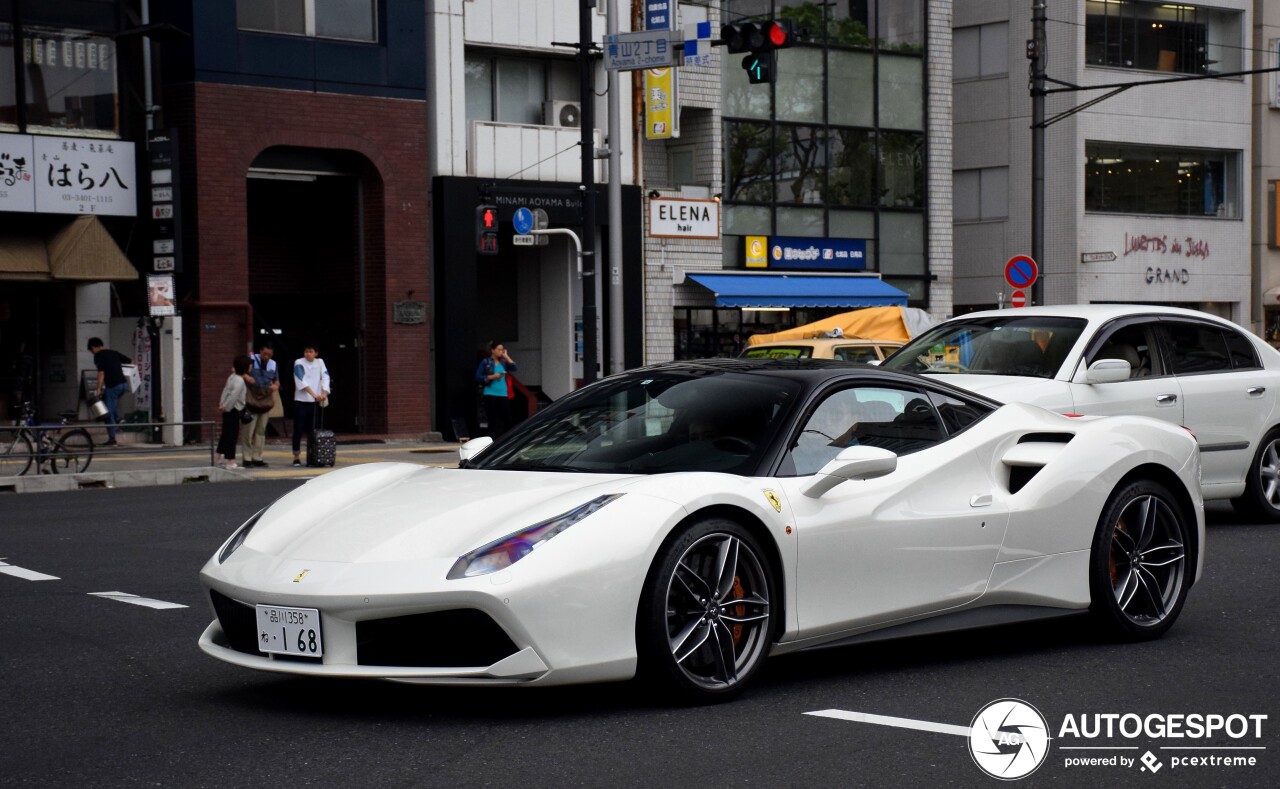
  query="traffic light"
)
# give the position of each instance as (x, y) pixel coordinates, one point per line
(761, 40)
(486, 230)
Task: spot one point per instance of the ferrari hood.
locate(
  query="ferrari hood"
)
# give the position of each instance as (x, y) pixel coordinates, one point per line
(1050, 394)
(401, 511)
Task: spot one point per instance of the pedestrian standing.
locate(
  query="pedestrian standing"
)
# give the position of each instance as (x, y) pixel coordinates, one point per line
(111, 382)
(232, 405)
(310, 390)
(496, 389)
(253, 434)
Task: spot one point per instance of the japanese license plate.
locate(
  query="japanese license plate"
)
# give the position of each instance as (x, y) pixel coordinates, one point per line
(289, 631)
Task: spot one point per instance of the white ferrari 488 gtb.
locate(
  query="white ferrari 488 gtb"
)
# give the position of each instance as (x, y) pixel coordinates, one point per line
(683, 522)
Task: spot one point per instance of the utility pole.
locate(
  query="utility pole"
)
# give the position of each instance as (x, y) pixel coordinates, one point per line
(589, 363)
(1037, 54)
(616, 346)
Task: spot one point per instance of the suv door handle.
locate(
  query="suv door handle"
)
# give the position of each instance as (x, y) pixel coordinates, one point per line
(1166, 399)
(1254, 391)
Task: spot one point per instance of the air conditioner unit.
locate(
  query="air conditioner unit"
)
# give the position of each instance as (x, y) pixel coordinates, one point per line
(565, 114)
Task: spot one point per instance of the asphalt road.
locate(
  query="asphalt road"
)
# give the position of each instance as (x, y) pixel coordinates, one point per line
(97, 692)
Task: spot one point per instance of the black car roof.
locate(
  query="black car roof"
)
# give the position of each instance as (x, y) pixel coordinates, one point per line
(810, 372)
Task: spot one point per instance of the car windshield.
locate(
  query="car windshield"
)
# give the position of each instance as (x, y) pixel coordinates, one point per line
(651, 423)
(1034, 346)
(778, 352)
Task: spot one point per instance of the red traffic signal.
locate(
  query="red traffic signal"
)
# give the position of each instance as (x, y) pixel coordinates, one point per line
(757, 37)
(486, 230)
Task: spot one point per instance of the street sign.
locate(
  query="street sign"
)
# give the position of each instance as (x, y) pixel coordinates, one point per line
(523, 220)
(1097, 257)
(639, 50)
(1018, 299)
(1021, 271)
(523, 240)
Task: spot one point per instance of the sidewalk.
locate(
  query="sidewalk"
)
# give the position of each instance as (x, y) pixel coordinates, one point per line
(143, 465)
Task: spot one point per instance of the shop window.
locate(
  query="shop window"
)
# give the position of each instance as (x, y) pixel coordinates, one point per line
(70, 81)
(901, 92)
(980, 51)
(1162, 37)
(801, 164)
(1135, 179)
(981, 194)
(355, 20)
(902, 169)
(749, 166)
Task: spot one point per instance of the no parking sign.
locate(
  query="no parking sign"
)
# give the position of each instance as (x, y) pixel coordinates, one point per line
(1021, 271)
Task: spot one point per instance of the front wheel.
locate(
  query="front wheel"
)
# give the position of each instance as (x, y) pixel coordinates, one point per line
(1262, 481)
(15, 454)
(1138, 566)
(72, 452)
(706, 618)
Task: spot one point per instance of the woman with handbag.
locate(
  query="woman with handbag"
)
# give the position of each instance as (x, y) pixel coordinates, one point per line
(260, 401)
(233, 412)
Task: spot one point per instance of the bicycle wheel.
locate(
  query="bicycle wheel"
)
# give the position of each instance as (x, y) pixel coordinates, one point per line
(72, 452)
(15, 454)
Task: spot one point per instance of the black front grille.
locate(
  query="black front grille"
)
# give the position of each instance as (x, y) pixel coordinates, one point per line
(464, 637)
(238, 621)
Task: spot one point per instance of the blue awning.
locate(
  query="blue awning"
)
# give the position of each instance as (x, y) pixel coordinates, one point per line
(783, 290)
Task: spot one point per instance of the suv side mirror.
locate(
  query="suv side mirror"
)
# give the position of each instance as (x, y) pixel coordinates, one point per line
(1108, 371)
(857, 462)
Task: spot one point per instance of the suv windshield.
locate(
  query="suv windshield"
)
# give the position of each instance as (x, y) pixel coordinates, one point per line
(1033, 346)
(650, 423)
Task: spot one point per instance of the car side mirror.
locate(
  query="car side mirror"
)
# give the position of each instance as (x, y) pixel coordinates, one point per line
(1108, 371)
(853, 463)
(474, 447)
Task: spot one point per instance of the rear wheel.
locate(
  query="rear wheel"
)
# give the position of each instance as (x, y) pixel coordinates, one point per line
(1262, 481)
(706, 618)
(15, 454)
(72, 452)
(1138, 567)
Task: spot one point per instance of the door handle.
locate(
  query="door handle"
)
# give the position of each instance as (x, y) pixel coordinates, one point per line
(1254, 391)
(981, 500)
(1166, 399)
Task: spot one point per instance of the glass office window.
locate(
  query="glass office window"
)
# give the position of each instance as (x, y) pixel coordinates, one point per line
(1162, 37)
(1138, 179)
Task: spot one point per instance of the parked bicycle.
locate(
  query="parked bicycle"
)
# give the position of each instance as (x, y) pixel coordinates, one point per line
(51, 448)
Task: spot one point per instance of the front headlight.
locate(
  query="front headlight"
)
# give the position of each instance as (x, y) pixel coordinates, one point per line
(508, 550)
(240, 536)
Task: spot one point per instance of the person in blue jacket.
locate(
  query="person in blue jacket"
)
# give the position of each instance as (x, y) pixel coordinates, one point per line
(496, 389)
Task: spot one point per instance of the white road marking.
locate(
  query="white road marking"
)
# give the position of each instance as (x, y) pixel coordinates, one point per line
(885, 720)
(125, 597)
(24, 573)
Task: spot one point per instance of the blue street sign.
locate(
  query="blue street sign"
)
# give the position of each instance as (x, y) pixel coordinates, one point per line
(523, 220)
(1021, 271)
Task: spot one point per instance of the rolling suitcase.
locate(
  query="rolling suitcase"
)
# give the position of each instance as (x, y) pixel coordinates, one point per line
(322, 445)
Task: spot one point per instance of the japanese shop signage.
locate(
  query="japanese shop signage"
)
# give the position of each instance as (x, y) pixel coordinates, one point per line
(166, 208)
(65, 175)
(817, 253)
(676, 218)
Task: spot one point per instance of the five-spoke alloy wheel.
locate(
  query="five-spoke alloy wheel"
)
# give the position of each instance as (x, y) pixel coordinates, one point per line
(1138, 572)
(706, 619)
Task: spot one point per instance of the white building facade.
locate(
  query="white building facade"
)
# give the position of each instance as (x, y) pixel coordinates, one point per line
(1147, 193)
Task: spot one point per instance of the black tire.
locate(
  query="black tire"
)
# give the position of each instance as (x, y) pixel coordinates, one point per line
(700, 641)
(72, 452)
(1262, 481)
(15, 454)
(1138, 570)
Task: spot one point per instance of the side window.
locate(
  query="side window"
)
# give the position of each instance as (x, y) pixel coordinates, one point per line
(1241, 351)
(899, 420)
(1136, 344)
(957, 414)
(1197, 348)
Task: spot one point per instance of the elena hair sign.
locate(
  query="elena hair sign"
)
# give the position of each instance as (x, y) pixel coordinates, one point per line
(671, 217)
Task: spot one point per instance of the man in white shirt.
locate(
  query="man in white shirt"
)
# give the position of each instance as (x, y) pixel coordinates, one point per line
(311, 390)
